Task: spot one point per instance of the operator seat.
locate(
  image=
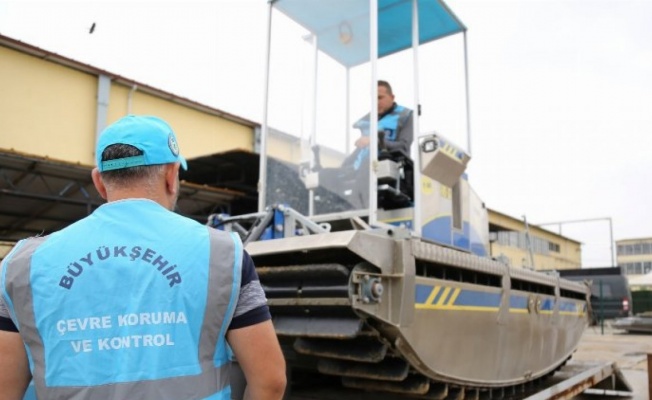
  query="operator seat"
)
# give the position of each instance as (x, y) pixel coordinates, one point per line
(395, 186)
(395, 183)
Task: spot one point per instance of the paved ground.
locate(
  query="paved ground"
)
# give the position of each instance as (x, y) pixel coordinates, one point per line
(629, 351)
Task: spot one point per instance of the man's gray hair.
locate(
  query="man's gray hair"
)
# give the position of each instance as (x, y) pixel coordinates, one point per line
(145, 175)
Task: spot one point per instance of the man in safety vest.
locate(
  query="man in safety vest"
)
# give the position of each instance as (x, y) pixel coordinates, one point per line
(395, 134)
(135, 301)
(394, 124)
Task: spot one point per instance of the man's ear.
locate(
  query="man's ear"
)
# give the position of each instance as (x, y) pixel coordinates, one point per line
(172, 178)
(99, 184)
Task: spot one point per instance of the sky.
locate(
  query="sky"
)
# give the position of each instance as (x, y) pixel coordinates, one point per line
(560, 92)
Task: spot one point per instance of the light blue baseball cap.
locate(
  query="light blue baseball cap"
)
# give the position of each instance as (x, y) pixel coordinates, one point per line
(153, 136)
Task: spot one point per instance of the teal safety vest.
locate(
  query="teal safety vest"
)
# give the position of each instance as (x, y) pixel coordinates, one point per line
(390, 124)
(132, 302)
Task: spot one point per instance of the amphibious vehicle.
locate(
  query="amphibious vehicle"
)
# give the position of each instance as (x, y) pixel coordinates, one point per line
(383, 277)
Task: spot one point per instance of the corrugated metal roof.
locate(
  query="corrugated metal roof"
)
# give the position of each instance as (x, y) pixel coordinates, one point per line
(39, 195)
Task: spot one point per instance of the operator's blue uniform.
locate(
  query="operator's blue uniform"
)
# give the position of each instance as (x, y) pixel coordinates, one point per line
(179, 285)
(350, 181)
(396, 126)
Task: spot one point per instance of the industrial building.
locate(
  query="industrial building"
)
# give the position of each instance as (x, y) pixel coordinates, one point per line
(53, 109)
(635, 258)
(530, 246)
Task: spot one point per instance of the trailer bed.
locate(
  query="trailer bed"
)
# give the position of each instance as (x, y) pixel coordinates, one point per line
(576, 377)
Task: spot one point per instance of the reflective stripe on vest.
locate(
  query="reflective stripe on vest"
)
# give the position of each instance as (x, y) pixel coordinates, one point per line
(224, 278)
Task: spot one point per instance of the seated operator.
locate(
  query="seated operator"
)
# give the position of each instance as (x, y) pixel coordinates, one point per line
(395, 133)
(395, 130)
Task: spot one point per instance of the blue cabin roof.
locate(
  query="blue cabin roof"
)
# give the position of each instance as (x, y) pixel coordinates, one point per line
(342, 26)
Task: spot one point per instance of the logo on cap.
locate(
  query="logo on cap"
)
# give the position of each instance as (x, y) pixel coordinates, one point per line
(172, 143)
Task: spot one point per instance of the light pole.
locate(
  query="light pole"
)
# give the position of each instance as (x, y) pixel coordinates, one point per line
(611, 231)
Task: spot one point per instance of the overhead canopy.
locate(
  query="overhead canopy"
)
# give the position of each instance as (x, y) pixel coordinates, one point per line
(342, 26)
(40, 195)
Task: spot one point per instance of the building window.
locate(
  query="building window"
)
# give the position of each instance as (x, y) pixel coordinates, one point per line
(634, 249)
(625, 268)
(634, 268)
(520, 240)
(646, 248)
(628, 250)
(647, 267)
